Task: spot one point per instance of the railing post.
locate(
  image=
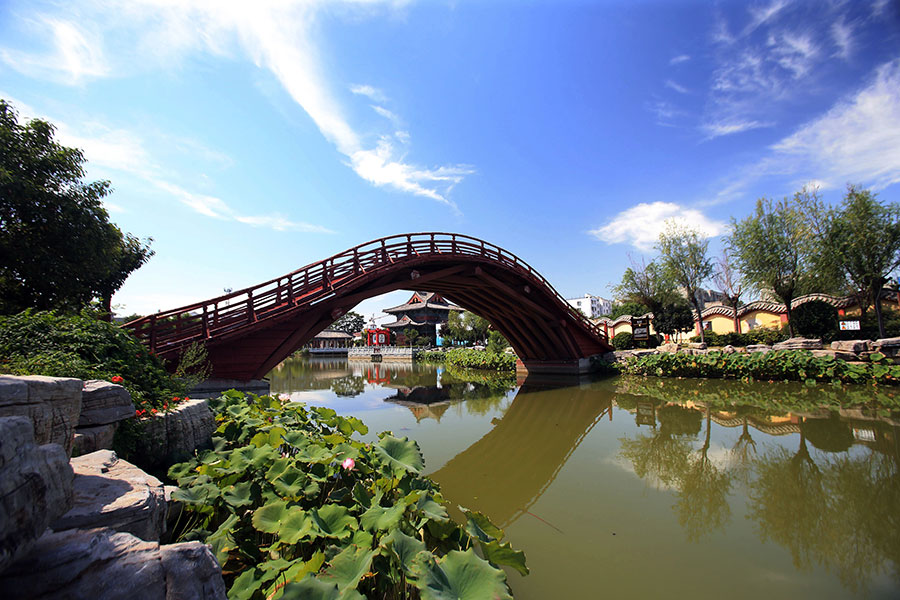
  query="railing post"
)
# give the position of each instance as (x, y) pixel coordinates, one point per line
(356, 261)
(152, 334)
(453, 243)
(178, 325)
(326, 279)
(290, 290)
(432, 242)
(205, 322)
(251, 314)
(409, 245)
(216, 315)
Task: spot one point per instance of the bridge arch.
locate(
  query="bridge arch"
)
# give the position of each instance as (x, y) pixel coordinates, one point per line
(249, 331)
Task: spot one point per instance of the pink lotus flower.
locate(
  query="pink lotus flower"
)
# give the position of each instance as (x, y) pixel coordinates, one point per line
(348, 464)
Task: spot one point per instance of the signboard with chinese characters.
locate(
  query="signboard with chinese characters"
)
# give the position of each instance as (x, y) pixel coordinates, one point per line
(849, 325)
(640, 328)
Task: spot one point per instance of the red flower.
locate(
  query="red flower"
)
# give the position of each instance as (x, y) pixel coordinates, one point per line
(186, 399)
(116, 379)
(175, 398)
(153, 410)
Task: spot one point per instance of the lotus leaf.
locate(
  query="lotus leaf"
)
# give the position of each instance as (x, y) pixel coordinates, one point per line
(291, 484)
(459, 576)
(504, 554)
(311, 588)
(245, 585)
(348, 567)
(203, 493)
(295, 526)
(268, 518)
(334, 521)
(378, 518)
(238, 494)
(479, 526)
(401, 454)
(404, 547)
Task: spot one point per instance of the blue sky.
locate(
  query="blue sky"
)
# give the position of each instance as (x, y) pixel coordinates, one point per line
(249, 139)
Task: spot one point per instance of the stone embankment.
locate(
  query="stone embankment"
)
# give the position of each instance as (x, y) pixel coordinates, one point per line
(90, 527)
(847, 350)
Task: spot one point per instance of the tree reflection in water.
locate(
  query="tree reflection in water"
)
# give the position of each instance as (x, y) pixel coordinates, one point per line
(835, 508)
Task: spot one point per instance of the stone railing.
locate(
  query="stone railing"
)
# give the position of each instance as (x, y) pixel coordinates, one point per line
(388, 353)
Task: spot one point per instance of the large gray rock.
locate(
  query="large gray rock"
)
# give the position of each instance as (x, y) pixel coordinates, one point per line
(173, 436)
(91, 439)
(35, 487)
(94, 564)
(855, 346)
(697, 345)
(888, 346)
(670, 347)
(51, 403)
(103, 403)
(113, 493)
(798, 343)
(845, 356)
(759, 348)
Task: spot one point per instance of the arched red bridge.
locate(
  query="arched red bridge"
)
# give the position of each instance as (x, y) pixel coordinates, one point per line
(250, 331)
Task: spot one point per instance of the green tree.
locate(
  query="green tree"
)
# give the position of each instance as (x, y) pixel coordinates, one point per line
(411, 336)
(774, 250)
(496, 342)
(627, 308)
(673, 318)
(683, 255)
(351, 323)
(860, 240)
(646, 284)
(59, 249)
(731, 283)
(465, 327)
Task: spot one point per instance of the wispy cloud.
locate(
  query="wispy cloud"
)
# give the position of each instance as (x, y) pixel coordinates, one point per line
(75, 57)
(856, 141)
(677, 60)
(369, 92)
(641, 225)
(842, 34)
(714, 130)
(666, 113)
(278, 37)
(672, 85)
(761, 14)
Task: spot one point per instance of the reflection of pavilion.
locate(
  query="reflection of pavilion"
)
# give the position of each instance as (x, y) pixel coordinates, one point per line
(507, 470)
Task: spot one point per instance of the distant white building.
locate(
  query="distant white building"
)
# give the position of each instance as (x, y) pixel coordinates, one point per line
(591, 306)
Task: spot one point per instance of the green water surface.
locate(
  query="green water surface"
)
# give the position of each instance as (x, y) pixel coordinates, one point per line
(647, 488)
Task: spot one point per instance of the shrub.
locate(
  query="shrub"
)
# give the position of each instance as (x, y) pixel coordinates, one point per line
(761, 335)
(784, 365)
(291, 504)
(623, 341)
(48, 343)
(469, 358)
(816, 319)
(431, 356)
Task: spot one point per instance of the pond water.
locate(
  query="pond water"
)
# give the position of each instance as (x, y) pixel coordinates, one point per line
(646, 488)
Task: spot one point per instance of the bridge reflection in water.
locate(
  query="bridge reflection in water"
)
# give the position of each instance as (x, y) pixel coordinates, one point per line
(524, 452)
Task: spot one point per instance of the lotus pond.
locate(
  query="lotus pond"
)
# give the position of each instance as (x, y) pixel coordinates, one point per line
(644, 487)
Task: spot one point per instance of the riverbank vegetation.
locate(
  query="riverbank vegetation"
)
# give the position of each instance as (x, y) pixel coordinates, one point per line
(472, 358)
(79, 345)
(295, 507)
(783, 365)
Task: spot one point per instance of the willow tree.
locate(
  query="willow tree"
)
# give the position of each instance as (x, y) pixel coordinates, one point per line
(683, 254)
(860, 240)
(773, 248)
(646, 284)
(730, 281)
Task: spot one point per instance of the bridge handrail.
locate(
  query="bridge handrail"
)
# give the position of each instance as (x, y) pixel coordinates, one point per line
(247, 305)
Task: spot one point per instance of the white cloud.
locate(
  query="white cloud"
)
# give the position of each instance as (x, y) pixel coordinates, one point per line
(857, 140)
(762, 14)
(279, 223)
(641, 225)
(369, 92)
(675, 60)
(714, 130)
(666, 113)
(386, 113)
(76, 56)
(676, 86)
(842, 33)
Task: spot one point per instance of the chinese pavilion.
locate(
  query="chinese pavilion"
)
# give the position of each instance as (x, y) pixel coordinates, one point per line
(423, 312)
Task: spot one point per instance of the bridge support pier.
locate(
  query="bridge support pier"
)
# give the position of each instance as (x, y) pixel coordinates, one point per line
(581, 366)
